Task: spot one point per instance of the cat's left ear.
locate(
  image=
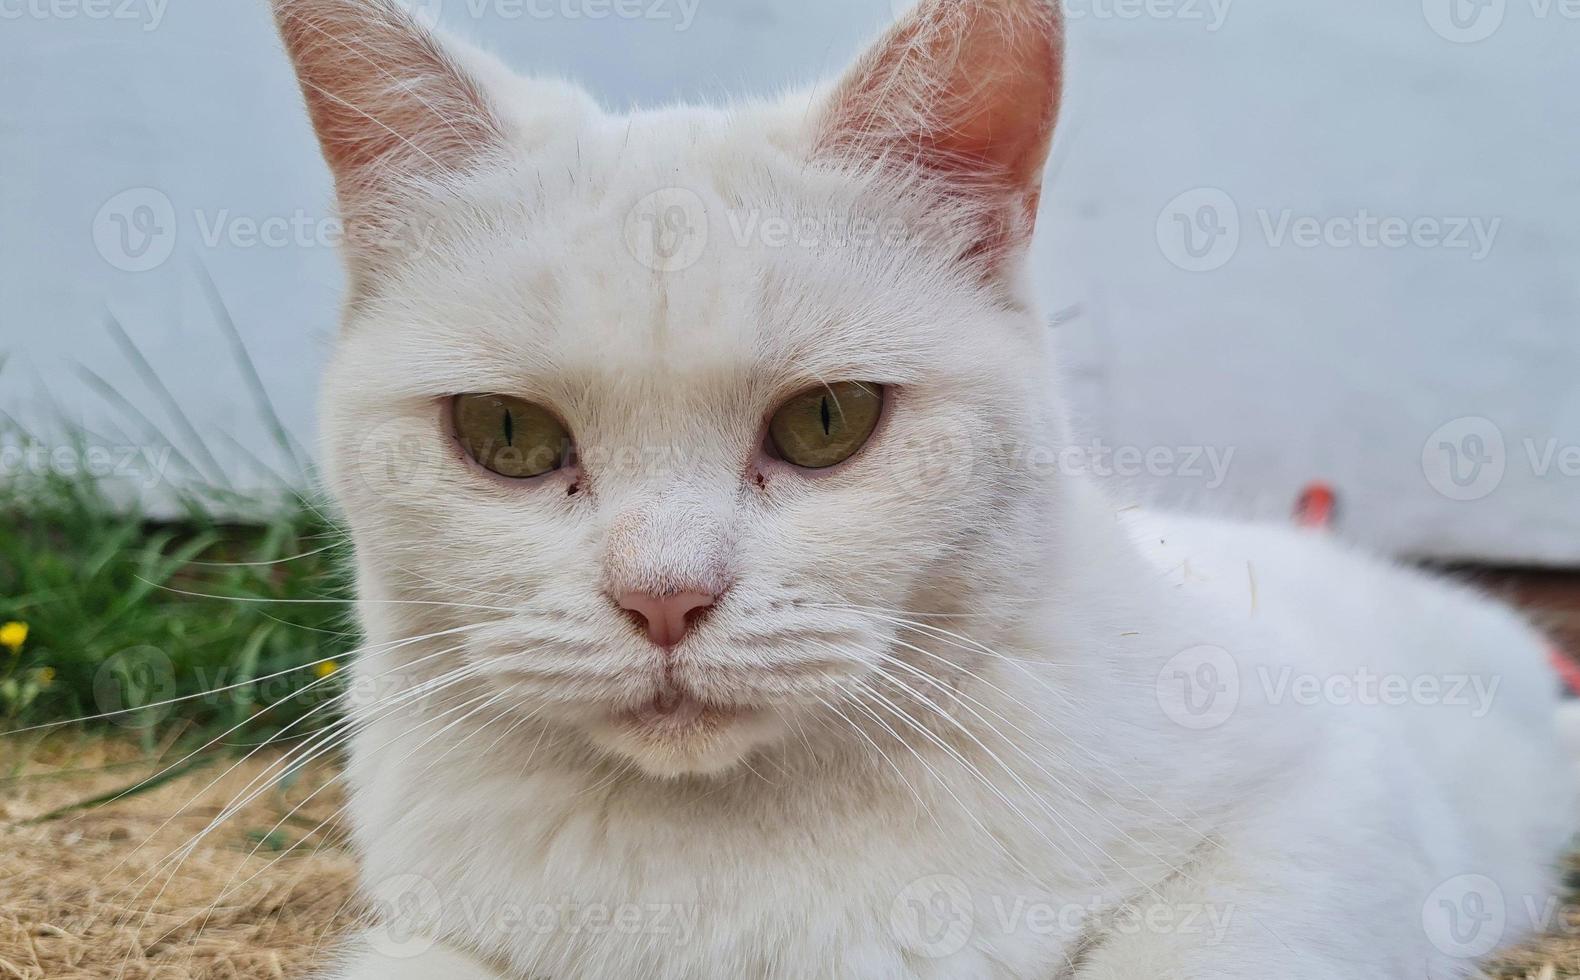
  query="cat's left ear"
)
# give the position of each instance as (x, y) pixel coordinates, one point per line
(964, 91)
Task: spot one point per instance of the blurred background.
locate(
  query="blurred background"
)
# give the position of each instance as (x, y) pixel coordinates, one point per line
(1284, 245)
(1282, 242)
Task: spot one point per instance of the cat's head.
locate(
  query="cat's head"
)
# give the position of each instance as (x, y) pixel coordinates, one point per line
(691, 423)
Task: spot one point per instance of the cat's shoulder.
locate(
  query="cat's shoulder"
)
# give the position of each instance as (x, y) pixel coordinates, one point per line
(1199, 549)
(1314, 584)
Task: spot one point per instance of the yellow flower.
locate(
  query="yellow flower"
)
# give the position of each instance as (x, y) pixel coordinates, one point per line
(12, 636)
(326, 668)
(46, 676)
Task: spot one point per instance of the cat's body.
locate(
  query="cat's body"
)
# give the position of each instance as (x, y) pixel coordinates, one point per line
(1306, 839)
(948, 711)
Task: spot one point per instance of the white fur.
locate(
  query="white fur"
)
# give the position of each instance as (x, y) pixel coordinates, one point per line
(1021, 777)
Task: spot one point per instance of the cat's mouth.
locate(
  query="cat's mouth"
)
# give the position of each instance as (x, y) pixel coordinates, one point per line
(675, 712)
(681, 730)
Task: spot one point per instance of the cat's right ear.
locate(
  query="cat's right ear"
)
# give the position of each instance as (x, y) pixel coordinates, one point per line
(393, 110)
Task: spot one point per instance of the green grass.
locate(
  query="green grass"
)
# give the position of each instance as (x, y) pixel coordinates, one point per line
(125, 613)
(179, 630)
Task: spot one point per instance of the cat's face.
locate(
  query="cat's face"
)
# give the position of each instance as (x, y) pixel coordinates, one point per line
(676, 419)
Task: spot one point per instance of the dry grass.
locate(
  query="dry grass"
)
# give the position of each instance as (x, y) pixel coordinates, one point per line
(1555, 957)
(81, 899)
(84, 895)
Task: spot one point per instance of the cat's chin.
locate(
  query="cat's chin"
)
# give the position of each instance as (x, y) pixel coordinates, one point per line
(684, 736)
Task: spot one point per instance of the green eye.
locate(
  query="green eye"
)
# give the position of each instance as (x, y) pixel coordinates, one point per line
(509, 436)
(826, 425)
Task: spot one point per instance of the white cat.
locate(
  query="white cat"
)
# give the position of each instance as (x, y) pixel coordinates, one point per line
(725, 618)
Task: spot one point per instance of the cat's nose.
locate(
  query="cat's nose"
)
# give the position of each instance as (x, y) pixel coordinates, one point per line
(667, 617)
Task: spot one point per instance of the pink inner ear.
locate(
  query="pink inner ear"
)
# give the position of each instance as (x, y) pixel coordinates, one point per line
(383, 97)
(1001, 101)
(966, 88)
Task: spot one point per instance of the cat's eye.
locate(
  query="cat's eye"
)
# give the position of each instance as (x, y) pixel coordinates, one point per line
(825, 425)
(510, 436)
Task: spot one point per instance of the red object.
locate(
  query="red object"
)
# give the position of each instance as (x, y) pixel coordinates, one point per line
(1315, 510)
(1316, 505)
(1567, 669)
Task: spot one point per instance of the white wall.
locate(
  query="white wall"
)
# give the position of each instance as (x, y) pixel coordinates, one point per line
(1329, 359)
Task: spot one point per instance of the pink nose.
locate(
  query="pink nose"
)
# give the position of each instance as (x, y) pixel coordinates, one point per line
(667, 617)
